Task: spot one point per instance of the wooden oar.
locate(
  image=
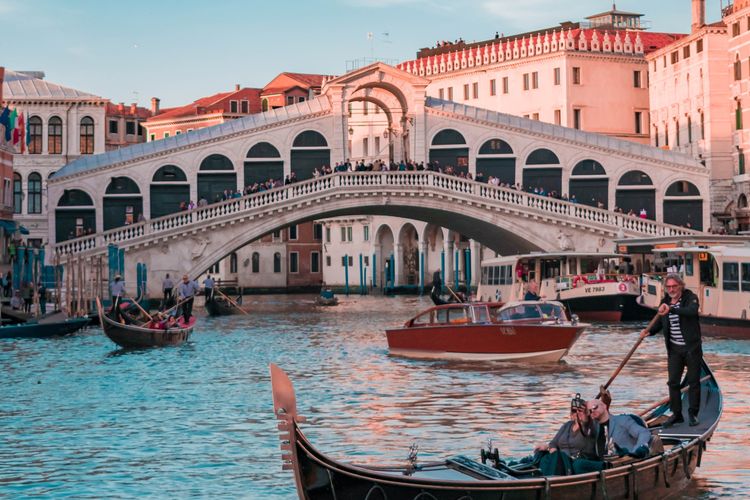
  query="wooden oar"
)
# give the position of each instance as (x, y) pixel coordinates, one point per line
(100, 310)
(177, 305)
(150, 318)
(454, 294)
(234, 303)
(666, 400)
(627, 357)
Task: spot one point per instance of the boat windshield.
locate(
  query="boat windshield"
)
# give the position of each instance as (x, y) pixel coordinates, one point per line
(544, 310)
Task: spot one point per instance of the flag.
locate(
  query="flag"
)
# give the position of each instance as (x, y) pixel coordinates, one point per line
(19, 134)
(12, 127)
(28, 130)
(5, 121)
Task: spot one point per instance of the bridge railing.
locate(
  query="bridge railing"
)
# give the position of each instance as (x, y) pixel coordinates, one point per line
(366, 181)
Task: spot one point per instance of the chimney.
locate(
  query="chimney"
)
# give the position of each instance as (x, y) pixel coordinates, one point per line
(155, 106)
(236, 87)
(699, 15)
(121, 107)
(134, 108)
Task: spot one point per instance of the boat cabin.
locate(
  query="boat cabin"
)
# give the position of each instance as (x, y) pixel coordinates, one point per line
(487, 312)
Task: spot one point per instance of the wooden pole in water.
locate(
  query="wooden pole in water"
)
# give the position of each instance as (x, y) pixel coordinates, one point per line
(68, 285)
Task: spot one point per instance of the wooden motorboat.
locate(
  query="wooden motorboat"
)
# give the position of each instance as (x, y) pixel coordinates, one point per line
(460, 477)
(43, 329)
(140, 336)
(220, 306)
(518, 331)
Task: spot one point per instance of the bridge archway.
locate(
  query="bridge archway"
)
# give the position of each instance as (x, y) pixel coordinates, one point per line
(75, 215)
(216, 174)
(589, 183)
(169, 188)
(122, 204)
(683, 205)
(384, 255)
(309, 151)
(636, 191)
(542, 170)
(448, 147)
(408, 241)
(495, 158)
(263, 162)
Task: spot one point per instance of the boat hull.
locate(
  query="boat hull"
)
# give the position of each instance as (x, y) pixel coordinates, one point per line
(539, 343)
(135, 337)
(714, 326)
(43, 330)
(219, 308)
(613, 308)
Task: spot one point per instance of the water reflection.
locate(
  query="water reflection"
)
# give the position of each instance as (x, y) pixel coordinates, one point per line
(80, 418)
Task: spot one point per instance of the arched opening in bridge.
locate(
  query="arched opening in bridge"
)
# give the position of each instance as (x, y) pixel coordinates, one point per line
(263, 162)
(383, 249)
(370, 131)
(75, 215)
(448, 148)
(636, 192)
(216, 175)
(542, 172)
(589, 184)
(408, 270)
(309, 151)
(433, 240)
(683, 205)
(496, 159)
(169, 188)
(122, 204)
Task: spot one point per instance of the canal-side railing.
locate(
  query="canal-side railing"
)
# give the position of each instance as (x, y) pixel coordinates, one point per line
(368, 183)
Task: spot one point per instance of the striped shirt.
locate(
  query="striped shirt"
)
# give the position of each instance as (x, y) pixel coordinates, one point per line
(675, 334)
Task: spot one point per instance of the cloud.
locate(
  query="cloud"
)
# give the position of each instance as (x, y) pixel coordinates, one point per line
(431, 4)
(542, 11)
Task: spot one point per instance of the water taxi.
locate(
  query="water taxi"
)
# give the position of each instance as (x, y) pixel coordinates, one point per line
(715, 268)
(517, 331)
(594, 286)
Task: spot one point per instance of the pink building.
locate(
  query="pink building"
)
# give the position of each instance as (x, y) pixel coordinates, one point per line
(590, 76)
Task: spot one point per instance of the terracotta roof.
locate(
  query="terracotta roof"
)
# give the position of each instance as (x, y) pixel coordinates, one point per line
(114, 110)
(209, 104)
(309, 79)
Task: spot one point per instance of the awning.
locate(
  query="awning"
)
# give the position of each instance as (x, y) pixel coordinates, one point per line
(23, 229)
(11, 227)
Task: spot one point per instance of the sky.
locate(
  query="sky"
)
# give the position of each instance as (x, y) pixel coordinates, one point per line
(180, 50)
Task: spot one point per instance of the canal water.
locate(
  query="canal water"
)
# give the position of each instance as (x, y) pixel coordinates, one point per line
(80, 418)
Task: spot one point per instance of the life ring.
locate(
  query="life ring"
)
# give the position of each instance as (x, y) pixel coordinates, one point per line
(576, 280)
(623, 287)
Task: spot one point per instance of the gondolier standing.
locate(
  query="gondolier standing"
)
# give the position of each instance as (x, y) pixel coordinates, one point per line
(167, 286)
(682, 336)
(187, 290)
(117, 290)
(208, 285)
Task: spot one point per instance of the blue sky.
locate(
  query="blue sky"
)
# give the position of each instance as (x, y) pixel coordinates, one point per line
(181, 50)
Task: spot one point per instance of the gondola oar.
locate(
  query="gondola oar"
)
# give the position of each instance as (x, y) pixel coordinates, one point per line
(177, 305)
(454, 294)
(627, 358)
(234, 303)
(150, 318)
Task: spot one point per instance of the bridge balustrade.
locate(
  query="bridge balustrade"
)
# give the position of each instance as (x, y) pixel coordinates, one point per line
(356, 181)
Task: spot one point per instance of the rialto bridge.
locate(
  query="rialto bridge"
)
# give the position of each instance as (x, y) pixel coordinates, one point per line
(109, 193)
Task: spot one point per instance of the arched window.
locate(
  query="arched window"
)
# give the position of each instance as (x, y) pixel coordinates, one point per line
(17, 194)
(263, 162)
(542, 172)
(54, 135)
(264, 105)
(216, 177)
(495, 159)
(742, 201)
(542, 157)
(683, 205)
(87, 135)
(35, 193)
(277, 262)
(75, 215)
(448, 149)
(256, 263)
(169, 173)
(309, 151)
(35, 135)
(216, 162)
(233, 262)
(448, 136)
(589, 184)
(122, 185)
(169, 189)
(310, 139)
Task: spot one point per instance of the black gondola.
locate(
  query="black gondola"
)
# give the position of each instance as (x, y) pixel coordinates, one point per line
(140, 336)
(319, 477)
(221, 306)
(43, 329)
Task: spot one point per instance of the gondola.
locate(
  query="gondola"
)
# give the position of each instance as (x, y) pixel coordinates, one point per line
(43, 329)
(461, 478)
(220, 306)
(139, 336)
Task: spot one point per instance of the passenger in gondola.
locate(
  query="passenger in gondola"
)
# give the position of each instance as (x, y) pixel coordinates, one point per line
(620, 435)
(573, 449)
(16, 302)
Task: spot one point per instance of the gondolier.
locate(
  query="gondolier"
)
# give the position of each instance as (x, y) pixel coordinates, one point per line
(208, 288)
(187, 290)
(682, 336)
(167, 286)
(117, 291)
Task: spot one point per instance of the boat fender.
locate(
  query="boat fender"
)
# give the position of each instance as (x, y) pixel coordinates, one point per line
(685, 461)
(576, 280)
(664, 467)
(603, 484)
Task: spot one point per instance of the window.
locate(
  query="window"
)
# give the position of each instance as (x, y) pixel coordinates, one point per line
(276, 235)
(366, 260)
(328, 235)
(475, 90)
(293, 232)
(556, 76)
(664, 60)
(366, 233)
(365, 108)
(535, 80)
(232, 106)
(365, 147)
(637, 79)
(113, 126)
(377, 143)
(740, 161)
(35, 193)
(736, 29)
(576, 75)
(264, 105)
(347, 262)
(577, 119)
(493, 87)
(699, 46)
(302, 99)
(314, 262)
(211, 270)
(328, 261)
(54, 136)
(535, 116)
(674, 57)
(317, 231)
(294, 262)
(244, 106)
(690, 130)
(152, 137)
(277, 262)
(731, 276)
(233, 262)
(676, 132)
(441, 94)
(738, 115)
(255, 263)
(450, 93)
(656, 136)
(130, 128)
(7, 193)
(35, 135)
(737, 69)
(87, 136)
(289, 99)
(466, 92)
(526, 81)
(638, 122)
(166, 135)
(746, 275)
(703, 127)
(686, 51)
(666, 133)
(505, 85)
(558, 117)
(346, 233)
(17, 194)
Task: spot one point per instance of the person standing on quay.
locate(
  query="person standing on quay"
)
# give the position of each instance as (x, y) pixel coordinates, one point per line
(187, 290)
(682, 336)
(167, 286)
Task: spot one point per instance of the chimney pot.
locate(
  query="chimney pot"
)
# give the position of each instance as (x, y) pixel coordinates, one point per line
(236, 87)
(155, 105)
(698, 15)
(133, 108)
(121, 107)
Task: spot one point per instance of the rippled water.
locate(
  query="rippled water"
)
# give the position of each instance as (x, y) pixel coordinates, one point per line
(80, 418)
